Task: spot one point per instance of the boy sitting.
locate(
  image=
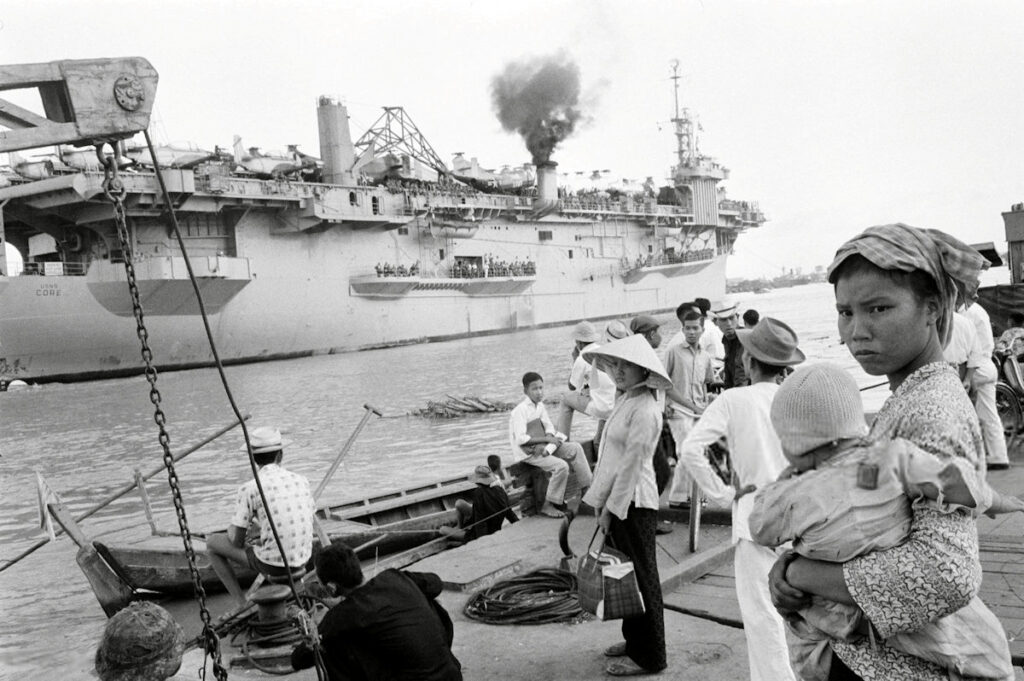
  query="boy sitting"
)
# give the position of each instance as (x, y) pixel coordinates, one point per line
(535, 441)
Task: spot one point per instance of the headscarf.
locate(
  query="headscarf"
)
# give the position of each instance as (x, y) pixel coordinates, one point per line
(953, 265)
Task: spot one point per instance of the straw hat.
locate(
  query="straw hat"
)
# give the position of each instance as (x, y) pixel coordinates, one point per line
(817, 404)
(585, 333)
(482, 475)
(266, 439)
(615, 330)
(771, 342)
(141, 642)
(637, 350)
(723, 309)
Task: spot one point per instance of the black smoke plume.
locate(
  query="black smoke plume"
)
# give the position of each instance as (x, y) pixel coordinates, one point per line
(540, 99)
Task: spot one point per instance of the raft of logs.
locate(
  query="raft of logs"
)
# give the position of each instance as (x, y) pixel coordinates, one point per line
(455, 407)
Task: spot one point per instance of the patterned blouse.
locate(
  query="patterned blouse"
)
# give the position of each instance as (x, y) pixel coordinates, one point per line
(937, 571)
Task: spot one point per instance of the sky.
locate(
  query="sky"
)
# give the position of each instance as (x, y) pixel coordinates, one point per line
(833, 115)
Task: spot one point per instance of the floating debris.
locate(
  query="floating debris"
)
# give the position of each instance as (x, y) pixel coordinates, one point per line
(454, 407)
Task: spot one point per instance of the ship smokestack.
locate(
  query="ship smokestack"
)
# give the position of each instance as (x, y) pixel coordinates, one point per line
(336, 148)
(540, 99)
(547, 188)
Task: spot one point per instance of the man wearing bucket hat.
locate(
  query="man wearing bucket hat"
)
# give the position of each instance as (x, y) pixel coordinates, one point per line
(625, 492)
(487, 509)
(584, 335)
(591, 391)
(291, 506)
(742, 416)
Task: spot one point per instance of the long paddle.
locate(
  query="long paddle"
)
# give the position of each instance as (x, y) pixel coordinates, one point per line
(124, 490)
(370, 410)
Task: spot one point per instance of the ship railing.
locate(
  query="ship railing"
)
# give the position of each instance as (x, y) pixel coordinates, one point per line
(661, 259)
(53, 269)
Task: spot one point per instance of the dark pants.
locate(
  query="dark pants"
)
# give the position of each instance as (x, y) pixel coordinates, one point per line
(645, 635)
(840, 672)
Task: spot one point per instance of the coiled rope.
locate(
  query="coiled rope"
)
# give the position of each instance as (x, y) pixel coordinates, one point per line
(540, 597)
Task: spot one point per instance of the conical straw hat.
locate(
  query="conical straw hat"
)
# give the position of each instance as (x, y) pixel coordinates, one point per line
(637, 350)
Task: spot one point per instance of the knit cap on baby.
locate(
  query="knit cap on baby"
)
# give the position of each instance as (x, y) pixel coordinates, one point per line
(817, 404)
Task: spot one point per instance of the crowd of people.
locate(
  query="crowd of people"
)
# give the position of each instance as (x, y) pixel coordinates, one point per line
(882, 578)
(386, 269)
(489, 266)
(672, 258)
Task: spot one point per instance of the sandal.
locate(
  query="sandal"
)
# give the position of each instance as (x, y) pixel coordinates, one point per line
(616, 649)
(626, 668)
(551, 514)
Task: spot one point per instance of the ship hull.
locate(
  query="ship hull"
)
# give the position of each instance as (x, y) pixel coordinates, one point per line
(58, 327)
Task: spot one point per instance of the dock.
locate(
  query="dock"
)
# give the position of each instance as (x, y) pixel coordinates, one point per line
(702, 621)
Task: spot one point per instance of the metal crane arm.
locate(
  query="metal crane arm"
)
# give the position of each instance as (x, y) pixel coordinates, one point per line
(85, 101)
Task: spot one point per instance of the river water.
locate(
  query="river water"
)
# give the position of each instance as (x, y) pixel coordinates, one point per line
(87, 438)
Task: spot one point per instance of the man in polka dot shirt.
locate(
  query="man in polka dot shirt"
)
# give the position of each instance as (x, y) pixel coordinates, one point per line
(291, 506)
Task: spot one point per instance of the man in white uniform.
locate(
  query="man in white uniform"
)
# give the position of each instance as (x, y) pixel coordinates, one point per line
(984, 383)
(742, 416)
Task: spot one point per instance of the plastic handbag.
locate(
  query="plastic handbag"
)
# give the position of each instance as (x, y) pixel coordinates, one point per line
(607, 583)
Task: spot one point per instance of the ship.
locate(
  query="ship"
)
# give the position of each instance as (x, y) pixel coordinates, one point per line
(373, 244)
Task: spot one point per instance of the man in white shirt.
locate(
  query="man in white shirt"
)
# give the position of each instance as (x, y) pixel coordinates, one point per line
(593, 391)
(292, 507)
(534, 441)
(743, 416)
(984, 384)
(958, 351)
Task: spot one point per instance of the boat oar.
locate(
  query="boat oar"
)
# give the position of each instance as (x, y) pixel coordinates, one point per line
(124, 490)
(370, 410)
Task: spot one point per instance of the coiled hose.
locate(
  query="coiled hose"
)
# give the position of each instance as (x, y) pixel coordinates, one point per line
(540, 597)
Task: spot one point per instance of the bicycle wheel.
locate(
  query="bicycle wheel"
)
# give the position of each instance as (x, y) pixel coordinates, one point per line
(1009, 410)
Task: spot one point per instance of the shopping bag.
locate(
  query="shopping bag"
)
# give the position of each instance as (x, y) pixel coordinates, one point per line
(607, 583)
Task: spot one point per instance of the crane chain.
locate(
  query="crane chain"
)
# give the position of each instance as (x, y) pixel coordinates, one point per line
(115, 192)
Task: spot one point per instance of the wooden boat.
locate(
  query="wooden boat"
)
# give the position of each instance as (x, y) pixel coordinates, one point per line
(377, 526)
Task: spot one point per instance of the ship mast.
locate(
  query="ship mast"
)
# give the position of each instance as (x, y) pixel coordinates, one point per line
(695, 175)
(686, 143)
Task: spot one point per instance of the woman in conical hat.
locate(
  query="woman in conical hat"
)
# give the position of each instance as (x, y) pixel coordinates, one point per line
(625, 493)
(896, 288)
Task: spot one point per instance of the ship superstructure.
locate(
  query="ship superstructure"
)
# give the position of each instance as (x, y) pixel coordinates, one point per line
(375, 253)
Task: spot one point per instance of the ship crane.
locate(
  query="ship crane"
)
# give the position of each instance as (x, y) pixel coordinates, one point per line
(99, 102)
(85, 101)
(395, 132)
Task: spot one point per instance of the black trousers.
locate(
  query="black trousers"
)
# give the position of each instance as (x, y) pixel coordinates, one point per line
(840, 672)
(645, 635)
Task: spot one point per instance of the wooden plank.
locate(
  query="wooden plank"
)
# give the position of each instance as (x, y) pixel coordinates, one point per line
(64, 518)
(366, 507)
(18, 76)
(14, 116)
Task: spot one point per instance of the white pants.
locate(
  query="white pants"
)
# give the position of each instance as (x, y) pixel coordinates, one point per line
(991, 424)
(559, 469)
(762, 624)
(679, 490)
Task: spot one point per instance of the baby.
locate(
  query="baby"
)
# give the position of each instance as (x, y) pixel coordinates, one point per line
(843, 497)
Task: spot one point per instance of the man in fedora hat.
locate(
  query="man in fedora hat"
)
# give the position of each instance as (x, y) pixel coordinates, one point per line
(727, 319)
(291, 506)
(742, 417)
